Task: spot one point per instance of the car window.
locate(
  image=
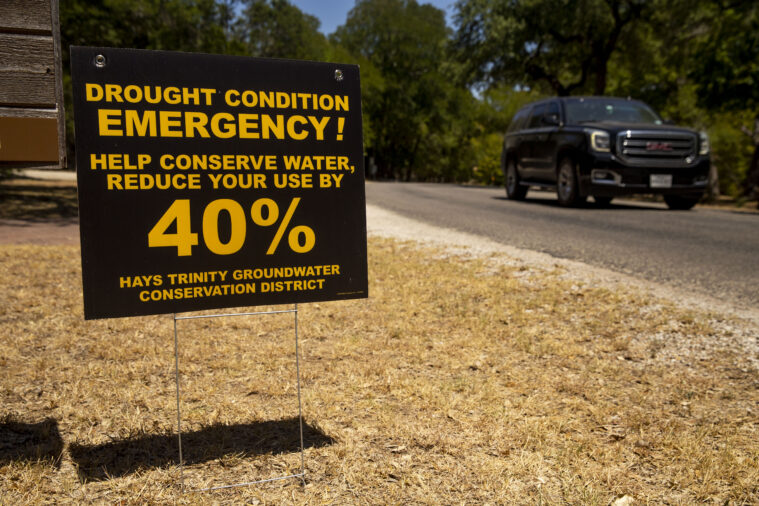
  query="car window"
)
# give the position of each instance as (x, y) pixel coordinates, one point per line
(553, 109)
(581, 110)
(518, 120)
(537, 114)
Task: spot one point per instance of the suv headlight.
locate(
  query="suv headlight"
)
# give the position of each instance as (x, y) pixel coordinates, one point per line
(703, 143)
(599, 140)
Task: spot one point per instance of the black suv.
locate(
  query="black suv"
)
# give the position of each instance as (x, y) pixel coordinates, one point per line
(603, 147)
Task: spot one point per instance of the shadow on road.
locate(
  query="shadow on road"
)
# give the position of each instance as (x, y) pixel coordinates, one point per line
(590, 205)
(119, 458)
(35, 201)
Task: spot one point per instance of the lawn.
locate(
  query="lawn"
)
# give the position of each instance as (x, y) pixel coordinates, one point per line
(459, 381)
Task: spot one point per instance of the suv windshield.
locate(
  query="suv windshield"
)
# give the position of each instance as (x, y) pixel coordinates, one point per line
(582, 110)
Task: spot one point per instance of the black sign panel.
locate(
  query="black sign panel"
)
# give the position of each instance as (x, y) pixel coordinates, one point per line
(216, 181)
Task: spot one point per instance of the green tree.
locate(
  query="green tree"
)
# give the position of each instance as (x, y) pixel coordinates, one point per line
(179, 25)
(495, 109)
(726, 72)
(415, 110)
(563, 46)
(650, 61)
(278, 29)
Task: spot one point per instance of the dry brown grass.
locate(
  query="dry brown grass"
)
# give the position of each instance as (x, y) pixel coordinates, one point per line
(458, 382)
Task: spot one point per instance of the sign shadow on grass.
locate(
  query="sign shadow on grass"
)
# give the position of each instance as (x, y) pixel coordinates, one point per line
(127, 456)
(31, 442)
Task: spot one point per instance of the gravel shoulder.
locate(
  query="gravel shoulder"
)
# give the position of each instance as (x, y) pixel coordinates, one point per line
(383, 223)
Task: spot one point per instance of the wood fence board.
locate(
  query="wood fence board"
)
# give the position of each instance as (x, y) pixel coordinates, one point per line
(31, 53)
(27, 89)
(26, 16)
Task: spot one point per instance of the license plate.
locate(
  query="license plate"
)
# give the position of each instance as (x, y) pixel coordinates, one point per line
(661, 181)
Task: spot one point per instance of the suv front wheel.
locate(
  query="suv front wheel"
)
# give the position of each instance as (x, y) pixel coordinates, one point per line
(514, 190)
(567, 187)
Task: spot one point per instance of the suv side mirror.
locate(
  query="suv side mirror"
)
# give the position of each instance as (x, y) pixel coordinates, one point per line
(550, 119)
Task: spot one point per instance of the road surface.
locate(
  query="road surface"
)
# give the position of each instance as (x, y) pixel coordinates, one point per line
(708, 251)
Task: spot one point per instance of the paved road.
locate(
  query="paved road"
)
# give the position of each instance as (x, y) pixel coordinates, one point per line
(714, 252)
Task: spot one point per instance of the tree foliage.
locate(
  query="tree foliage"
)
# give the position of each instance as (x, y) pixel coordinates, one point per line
(727, 68)
(414, 107)
(180, 25)
(727, 75)
(278, 29)
(561, 46)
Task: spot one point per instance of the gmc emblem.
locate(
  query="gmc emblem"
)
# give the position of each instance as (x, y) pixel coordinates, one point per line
(658, 146)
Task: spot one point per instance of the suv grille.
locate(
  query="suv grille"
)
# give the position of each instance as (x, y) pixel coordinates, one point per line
(668, 149)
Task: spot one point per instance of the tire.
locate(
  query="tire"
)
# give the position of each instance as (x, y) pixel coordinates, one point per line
(567, 187)
(680, 203)
(602, 201)
(511, 180)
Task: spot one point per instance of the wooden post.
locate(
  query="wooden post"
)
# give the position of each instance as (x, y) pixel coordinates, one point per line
(32, 119)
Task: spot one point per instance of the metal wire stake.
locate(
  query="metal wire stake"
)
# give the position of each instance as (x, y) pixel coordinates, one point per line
(179, 414)
(302, 474)
(300, 411)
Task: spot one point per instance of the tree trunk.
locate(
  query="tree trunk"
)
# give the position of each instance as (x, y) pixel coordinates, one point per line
(601, 80)
(751, 184)
(752, 177)
(712, 187)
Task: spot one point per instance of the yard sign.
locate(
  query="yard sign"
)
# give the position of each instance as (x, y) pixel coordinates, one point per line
(216, 181)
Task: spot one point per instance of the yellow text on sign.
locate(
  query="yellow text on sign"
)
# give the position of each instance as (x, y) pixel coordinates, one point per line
(264, 212)
(222, 125)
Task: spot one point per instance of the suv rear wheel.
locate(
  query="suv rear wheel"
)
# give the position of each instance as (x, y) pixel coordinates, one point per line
(680, 203)
(567, 188)
(514, 190)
